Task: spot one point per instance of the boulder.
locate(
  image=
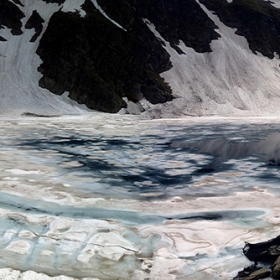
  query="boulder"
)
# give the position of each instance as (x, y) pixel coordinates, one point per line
(253, 273)
(268, 254)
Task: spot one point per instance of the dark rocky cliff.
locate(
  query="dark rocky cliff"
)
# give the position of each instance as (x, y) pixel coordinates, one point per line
(99, 63)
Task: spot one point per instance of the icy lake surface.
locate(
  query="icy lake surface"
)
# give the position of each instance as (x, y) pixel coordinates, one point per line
(115, 197)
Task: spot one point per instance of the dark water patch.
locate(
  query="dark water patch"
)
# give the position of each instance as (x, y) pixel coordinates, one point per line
(246, 218)
(114, 162)
(225, 215)
(204, 170)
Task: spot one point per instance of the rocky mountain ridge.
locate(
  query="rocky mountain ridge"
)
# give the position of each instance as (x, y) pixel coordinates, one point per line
(102, 53)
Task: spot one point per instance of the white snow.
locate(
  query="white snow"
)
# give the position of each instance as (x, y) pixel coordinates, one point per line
(74, 6)
(230, 80)
(275, 3)
(19, 91)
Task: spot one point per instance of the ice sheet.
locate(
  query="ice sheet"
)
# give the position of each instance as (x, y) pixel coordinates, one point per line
(61, 215)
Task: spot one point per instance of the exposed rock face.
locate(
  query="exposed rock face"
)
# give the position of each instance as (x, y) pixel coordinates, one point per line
(36, 22)
(99, 63)
(253, 273)
(102, 51)
(174, 20)
(256, 20)
(10, 16)
(265, 252)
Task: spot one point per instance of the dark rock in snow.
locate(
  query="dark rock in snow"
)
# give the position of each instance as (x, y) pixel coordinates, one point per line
(257, 20)
(18, 2)
(175, 20)
(36, 22)
(99, 63)
(100, 59)
(10, 16)
(263, 251)
(268, 254)
(253, 273)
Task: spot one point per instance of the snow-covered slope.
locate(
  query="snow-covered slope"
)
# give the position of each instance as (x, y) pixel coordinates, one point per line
(230, 80)
(19, 88)
(187, 61)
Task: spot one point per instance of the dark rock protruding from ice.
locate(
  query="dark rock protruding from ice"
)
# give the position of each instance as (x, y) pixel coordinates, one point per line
(18, 2)
(253, 273)
(263, 252)
(268, 254)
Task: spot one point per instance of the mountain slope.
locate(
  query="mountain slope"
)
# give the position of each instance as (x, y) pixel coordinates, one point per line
(171, 58)
(232, 79)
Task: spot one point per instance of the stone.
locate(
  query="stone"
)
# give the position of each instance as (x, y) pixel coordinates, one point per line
(253, 273)
(276, 269)
(36, 22)
(268, 254)
(264, 251)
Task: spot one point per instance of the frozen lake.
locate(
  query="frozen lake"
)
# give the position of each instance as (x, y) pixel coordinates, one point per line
(115, 197)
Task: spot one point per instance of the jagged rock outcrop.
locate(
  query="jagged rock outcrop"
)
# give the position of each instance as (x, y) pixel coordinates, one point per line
(99, 63)
(257, 20)
(267, 254)
(10, 16)
(253, 273)
(174, 20)
(36, 22)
